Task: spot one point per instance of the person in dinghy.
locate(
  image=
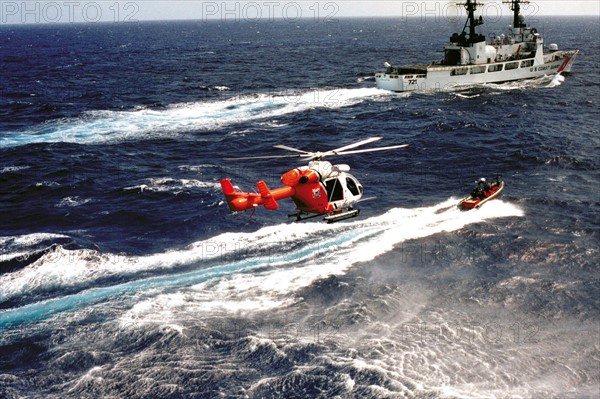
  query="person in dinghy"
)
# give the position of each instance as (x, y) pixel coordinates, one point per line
(482, 193)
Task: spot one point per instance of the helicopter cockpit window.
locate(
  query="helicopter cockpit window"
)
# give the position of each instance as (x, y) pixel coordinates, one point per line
(352, 186)
(335, 191)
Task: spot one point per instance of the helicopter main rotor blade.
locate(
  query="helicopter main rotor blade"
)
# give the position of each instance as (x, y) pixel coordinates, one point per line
(309, 156)
(285, 147)
(358, 144)
(372, 149)
(265, 157)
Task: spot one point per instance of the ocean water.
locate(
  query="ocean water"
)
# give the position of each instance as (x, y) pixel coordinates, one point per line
(123, 273)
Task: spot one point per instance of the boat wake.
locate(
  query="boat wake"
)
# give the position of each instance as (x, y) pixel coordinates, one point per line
(229, 272)
(105, 126)
(556, 81)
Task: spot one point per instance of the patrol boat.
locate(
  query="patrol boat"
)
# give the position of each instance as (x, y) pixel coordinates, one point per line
(469, 59)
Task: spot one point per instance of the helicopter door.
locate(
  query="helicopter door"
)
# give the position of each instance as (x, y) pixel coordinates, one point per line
(335, 191)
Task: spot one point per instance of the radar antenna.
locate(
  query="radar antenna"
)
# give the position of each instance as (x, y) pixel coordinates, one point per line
(515, 6)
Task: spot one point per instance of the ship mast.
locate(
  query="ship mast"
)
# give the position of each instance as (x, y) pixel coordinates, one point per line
(471, 6)
(515, 6)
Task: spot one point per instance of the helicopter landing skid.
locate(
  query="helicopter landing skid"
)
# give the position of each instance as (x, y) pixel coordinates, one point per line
(336, 217)
(299, 216)
(329, 218)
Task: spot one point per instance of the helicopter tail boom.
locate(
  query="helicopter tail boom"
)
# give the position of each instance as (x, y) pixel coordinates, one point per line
(239, 201)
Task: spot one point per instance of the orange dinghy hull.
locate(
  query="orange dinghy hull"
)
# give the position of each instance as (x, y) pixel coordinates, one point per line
(494, 192)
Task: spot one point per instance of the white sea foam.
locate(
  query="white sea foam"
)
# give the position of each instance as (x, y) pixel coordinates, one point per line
(275, 287)
(16, 246)
(556, 81)
(196, 168)
(168, 184)
(70, 268)
(70, 202)
(114, 126)
(282, 259)
(7, 169)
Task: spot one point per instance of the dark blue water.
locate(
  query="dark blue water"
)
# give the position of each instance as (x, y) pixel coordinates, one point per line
(123, 273)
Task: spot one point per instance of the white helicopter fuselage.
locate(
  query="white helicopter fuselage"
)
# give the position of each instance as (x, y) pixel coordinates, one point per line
(343, 189)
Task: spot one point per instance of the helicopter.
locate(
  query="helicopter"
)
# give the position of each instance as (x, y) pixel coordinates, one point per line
(320, 188)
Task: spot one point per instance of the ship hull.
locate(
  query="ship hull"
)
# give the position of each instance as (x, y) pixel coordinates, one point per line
(441, 77)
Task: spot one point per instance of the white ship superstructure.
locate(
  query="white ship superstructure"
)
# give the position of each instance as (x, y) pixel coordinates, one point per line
(469, 59)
